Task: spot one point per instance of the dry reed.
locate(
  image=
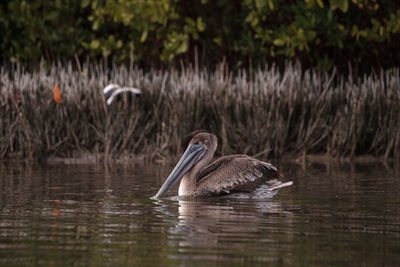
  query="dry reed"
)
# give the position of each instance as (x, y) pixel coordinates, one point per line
(268, 114)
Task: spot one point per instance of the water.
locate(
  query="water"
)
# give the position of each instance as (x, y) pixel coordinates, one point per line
(88, 216)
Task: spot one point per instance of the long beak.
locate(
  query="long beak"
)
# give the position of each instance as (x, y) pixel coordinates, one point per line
(192, 154)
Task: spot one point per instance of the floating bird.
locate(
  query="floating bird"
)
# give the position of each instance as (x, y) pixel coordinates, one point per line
(112, 90)
(228, 174)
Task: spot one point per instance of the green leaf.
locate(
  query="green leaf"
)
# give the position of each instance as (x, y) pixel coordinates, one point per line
(311, 35)
(190, 22)
(182, 48)
(96, 25)
(334, 4)
(341, 4)
(166, 6)
(85, 3)
(94, 44)
(279, 42)
(344, 5)
(143, 37)
(218, 41)
(260, 4)
(254, 22)
(249, 17)
(271, 4)
(201, 26)
(119, 44)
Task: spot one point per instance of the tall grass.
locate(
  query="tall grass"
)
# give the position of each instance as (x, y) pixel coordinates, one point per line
(269, 113)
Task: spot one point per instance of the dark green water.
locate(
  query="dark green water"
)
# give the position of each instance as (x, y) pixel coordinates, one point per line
(342, 215)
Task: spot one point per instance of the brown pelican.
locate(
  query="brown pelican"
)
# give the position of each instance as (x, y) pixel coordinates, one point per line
(234, 173)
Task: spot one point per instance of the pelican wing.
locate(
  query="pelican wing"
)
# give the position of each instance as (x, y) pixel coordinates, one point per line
(235, 173)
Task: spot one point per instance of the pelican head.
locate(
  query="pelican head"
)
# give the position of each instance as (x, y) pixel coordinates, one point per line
(198, 153)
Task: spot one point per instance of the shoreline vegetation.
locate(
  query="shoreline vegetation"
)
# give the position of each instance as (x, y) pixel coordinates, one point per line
(264, 113)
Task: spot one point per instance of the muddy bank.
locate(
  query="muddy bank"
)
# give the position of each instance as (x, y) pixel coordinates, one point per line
(304, 160)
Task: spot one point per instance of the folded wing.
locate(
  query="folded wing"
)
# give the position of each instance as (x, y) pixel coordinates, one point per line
(235, 173)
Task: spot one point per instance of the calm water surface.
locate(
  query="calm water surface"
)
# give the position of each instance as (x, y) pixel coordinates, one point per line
(89, 216)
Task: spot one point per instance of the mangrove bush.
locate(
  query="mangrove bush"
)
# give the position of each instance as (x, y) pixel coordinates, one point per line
(325, 34)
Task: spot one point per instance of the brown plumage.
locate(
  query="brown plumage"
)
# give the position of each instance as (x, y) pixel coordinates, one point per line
(234, 173)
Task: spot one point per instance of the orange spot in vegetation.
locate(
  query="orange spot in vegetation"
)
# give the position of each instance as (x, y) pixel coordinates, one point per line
(57, 201)
(56, 94)
(56, 213)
